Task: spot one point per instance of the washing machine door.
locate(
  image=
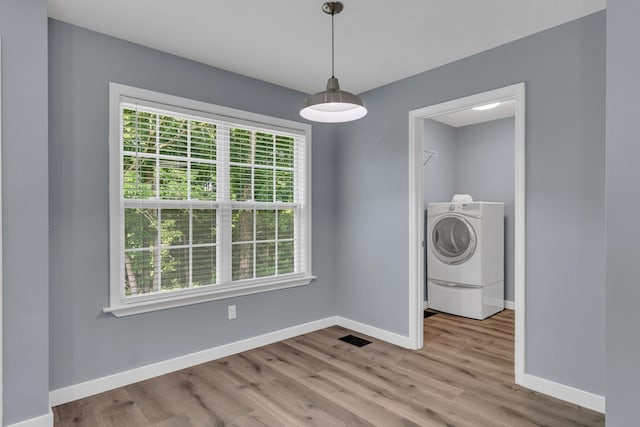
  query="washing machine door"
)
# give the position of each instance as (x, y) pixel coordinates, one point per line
(453, 239)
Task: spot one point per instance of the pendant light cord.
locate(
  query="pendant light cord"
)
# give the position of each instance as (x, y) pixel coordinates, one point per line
(333, 74)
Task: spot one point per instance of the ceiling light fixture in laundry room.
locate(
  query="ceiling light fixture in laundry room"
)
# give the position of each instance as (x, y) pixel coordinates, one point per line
(333, 105)
(486, 106)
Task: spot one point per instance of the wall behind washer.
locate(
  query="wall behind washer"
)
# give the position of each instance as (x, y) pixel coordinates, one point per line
(439, 172)
(485, 168)
(564, 70)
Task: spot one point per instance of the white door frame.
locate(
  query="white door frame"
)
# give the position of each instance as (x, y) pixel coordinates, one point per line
(416, 212)
(1, 245)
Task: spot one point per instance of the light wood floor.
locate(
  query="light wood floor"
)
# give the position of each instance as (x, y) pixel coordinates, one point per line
(462, 377)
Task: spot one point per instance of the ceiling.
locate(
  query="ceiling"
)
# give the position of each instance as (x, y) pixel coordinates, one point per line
(288, 42)
(470, 116)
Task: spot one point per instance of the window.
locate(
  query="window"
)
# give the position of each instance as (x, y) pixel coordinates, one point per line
(206, 202)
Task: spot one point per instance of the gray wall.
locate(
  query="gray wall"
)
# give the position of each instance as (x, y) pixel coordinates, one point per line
(623, 176)
(439, 172)
(485, 154)
(564, 69)
(86, 344)
(23, 28)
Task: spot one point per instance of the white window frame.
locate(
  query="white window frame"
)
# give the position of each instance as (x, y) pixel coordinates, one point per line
(119, 305)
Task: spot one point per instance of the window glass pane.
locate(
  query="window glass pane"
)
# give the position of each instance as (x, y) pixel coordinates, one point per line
(138, 131)
(240, 149)
(242, 225)
(140, 228)
(204, 266)
(242, 261)
(240, 185)
(173, 136)
(265, 259)
(263, 185)
(284, 151)
(138, 181)
(204, 227)
(174, 225)
(285, 257)
(203, 181)
(139, 272)
(264, 149)
(203, 140)
(285, 224)
(174, 268)
(265, 225)
(173, 180)
(284, 186)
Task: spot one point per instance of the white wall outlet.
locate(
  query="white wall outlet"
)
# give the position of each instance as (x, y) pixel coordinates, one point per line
(231, 311)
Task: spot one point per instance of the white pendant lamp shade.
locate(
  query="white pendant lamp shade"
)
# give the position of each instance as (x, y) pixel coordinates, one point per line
(333, 105)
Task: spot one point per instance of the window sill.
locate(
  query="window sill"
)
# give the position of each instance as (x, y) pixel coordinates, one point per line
(171, 301)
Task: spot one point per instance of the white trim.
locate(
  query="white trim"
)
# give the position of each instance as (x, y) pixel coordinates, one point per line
(576, 396)
(218, 112)
(416, 230)
(416, 215)
(120, 379)
(520, 263)
(119, 305)
(146, 306)
(1, 255)
(99, 385)
(45, 420)
(372, 331)
(425, 305)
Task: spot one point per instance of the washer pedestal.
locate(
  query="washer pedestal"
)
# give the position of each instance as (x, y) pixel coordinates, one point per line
(476, 302)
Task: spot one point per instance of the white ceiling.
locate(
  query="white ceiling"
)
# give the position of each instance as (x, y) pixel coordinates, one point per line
(470, 116)
(288, 42)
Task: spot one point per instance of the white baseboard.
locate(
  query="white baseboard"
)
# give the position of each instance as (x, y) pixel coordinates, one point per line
(570, 394)
(45, 420)
(372, 331)
(110, 382)
(99, 385)
(426, 305)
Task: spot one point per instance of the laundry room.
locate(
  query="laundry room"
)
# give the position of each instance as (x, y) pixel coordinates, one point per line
(469, 204)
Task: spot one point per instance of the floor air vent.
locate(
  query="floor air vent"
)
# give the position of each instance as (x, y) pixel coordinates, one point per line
(353, 340)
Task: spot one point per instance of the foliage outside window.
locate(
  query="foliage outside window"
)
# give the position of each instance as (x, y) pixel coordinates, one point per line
(206, 204)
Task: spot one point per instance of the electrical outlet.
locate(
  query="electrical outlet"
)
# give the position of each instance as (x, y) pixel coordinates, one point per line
(231, 311)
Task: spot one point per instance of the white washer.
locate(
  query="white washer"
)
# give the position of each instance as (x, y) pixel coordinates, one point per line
(465, 258)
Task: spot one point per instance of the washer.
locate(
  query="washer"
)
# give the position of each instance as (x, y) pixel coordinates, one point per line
(465, 258)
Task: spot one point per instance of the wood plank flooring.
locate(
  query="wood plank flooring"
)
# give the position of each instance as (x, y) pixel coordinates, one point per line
(462, 377)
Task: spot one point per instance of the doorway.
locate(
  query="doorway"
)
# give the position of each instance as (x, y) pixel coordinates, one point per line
(1, 255)
(417, 244)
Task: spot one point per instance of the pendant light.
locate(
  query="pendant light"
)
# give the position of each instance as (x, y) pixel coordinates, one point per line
(333, 105)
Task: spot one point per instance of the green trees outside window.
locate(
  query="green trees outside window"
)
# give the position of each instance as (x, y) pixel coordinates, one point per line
(188, 181)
